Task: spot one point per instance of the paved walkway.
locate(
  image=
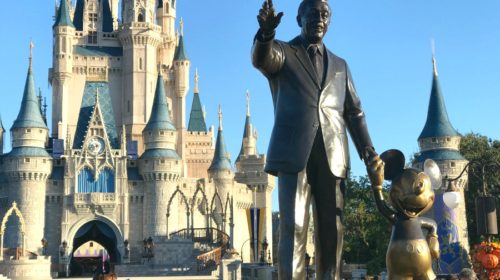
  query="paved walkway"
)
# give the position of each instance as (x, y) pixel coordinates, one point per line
(156, 278)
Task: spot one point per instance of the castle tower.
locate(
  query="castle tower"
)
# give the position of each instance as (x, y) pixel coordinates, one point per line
(250, 171)
(160, 166)
(63, 33)
(440, 142)
(165, 17)
(181, 87)
(27, 167)
(140, 38)
(221, 173)
(199, 151)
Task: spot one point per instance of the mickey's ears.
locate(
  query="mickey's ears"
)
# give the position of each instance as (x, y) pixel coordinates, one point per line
(394, 163)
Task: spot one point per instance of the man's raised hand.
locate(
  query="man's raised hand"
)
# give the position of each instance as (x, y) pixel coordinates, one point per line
(268, 19)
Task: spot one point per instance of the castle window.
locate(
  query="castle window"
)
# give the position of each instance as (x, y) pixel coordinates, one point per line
(448, 139)
(27, 160)
(140, 63)
(128, 106)
(92, 37)
(28, 130)
(92, 20)
(453, 164)
(434, 140)
(140, 18)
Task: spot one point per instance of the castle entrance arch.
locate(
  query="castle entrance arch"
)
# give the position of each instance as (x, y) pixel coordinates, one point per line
(91, 235)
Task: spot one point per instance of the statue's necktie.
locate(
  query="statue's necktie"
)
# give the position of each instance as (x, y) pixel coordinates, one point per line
(316, 60)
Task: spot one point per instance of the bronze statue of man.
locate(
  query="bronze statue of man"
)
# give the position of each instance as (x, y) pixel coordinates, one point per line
(314, 103)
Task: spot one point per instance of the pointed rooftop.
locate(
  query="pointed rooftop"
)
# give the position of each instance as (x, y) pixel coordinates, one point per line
(438, 123)
(159, 118)
(196, 118)
(63, 18)
(78, 16)
(96, 94)
(180, 52)
(29, 115)
(221, 160)
(247, 131)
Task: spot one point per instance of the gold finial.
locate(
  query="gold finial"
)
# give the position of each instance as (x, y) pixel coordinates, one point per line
(181, 26)
(196, 80)
(31, 55)
(434, 64)
(248, 103)
(220, 117)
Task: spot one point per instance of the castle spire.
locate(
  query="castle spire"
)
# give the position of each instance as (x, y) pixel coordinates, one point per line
(220, 118)
(63, 18)
(221, 160)
(30, 67)
(30, 115)
(196, 80)
(248, 143)
(180, 52)
(160, 117)
(196, 117)
(437, 124)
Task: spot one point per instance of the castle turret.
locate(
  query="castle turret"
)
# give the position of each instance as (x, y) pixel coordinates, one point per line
(160, 165)
(250, 172)
(140, 38)
(165, 17)
(199, 141)
(221, 174)
(181, 87)
(62, 71)
(26, 168)
(249, 141)
(440, 142)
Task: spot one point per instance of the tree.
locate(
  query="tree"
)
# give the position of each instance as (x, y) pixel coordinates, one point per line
(367, 233)
(484, 171)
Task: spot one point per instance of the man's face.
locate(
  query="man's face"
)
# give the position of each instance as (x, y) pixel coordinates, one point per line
(314, 21)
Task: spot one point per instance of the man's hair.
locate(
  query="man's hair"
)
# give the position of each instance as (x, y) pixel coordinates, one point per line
(304, 3)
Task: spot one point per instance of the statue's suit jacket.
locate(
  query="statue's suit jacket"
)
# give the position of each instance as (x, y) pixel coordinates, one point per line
(303, 103)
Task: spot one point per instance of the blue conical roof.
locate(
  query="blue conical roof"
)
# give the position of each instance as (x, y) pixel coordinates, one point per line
(180, 52)
(29, 115)
(437, 124)
(63, 18)
(246, 134)
(221, 160)
(196, 118)
(78, 16)
(160, 118)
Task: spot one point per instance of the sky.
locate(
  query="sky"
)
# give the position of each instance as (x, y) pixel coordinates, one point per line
(387, 44)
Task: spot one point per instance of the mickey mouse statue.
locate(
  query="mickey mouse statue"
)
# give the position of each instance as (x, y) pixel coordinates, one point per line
(410, 251)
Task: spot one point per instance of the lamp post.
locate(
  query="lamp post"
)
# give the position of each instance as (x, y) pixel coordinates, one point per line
(486, 216)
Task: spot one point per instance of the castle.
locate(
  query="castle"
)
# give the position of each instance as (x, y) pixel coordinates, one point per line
(119, 164)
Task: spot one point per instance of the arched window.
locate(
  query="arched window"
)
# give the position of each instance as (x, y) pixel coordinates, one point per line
(87, 183)
(140, 17)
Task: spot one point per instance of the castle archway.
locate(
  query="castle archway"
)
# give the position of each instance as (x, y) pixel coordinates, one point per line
(98, 234)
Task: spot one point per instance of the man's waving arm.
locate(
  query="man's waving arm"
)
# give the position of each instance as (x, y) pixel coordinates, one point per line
(267, 55)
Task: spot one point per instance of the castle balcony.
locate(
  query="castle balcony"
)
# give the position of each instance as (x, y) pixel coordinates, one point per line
(100, 202)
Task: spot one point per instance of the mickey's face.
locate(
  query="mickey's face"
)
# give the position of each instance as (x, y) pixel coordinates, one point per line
(412, 193)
